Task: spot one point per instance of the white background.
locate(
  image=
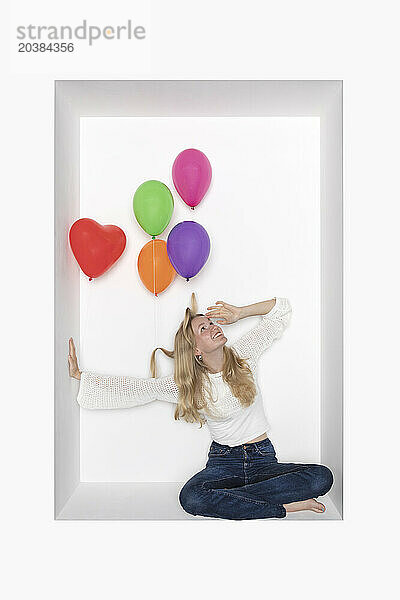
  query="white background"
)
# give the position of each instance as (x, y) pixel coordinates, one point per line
(353, 41)
(262, 213)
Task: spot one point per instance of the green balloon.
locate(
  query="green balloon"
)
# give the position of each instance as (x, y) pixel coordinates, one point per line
(153, 205)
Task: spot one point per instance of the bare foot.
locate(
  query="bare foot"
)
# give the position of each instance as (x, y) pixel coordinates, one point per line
(310, 504)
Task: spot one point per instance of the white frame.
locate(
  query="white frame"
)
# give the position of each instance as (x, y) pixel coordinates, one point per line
(74, 99)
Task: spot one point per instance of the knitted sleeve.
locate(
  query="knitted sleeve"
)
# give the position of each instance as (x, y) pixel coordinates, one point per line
(271, 326)
(112, 391)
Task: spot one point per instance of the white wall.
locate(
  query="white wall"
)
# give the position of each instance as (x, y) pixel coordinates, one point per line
(263, 217)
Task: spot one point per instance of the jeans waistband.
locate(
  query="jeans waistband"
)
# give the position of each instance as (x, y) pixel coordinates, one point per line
(240, 446)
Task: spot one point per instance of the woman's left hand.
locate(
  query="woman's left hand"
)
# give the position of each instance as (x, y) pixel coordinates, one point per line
(227, 312)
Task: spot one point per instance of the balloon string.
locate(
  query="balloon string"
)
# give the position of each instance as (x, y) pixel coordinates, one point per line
(84, 325)
(155, 322)
(155, 311)
(154, 269)
(154, 254)
(155, 296)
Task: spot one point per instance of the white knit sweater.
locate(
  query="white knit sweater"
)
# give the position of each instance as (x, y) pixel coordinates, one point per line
(228, 421)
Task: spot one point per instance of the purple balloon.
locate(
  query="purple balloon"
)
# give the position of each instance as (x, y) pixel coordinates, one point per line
(188, 247)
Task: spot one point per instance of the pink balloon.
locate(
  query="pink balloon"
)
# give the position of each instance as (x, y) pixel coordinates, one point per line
(191, 173)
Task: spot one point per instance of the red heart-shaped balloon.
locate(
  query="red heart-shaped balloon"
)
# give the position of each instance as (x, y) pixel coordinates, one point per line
(96, 247)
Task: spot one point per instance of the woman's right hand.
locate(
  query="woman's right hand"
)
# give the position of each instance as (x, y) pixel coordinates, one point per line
(73, 361)
(226, 313)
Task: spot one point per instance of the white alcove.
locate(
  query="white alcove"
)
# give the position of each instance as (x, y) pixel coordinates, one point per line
(273, 213)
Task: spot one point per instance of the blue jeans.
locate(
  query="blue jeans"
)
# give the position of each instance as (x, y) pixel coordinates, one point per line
(247, 482)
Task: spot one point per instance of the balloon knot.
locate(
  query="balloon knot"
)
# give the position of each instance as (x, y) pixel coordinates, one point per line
(90, 278)
(187, 278)
(156, 295)
(154, 237)
(192, 207)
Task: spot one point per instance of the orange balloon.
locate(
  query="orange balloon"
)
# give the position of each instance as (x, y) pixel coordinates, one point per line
(154, 266)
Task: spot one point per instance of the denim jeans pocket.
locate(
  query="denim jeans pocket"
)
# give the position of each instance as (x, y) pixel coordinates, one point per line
(265, 447)
(218, 450)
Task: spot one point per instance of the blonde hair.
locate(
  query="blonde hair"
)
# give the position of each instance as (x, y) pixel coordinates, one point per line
(191, 374)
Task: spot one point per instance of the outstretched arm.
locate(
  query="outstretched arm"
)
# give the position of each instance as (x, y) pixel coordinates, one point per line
(112, 391)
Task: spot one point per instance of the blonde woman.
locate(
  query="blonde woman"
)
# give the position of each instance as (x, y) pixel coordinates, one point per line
(216, 384)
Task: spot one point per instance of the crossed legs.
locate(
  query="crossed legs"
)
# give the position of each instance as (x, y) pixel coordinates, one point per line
(281, 488)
